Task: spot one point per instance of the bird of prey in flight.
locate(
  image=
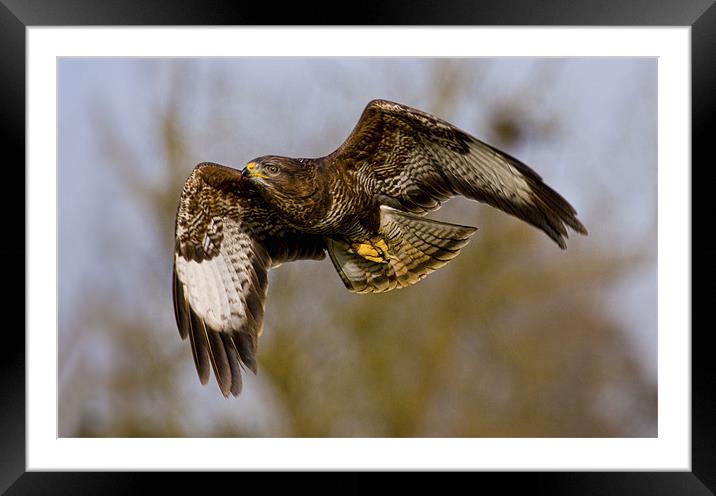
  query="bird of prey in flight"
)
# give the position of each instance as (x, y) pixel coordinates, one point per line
(363, 204)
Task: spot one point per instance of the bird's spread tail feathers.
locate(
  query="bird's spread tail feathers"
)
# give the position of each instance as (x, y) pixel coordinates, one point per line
(416, 247)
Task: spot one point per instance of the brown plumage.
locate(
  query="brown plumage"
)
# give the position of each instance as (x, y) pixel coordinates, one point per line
(362, 204)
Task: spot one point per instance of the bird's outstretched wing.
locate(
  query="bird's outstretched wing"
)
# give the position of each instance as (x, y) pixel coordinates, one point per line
(413, 161)
(226, 240)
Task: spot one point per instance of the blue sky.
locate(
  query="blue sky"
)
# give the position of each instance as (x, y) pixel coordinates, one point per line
(602, 156)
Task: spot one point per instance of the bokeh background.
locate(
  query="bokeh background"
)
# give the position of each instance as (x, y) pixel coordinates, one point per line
(514, 338)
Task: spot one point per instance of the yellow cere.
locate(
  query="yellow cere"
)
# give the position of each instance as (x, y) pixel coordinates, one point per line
(251, 167)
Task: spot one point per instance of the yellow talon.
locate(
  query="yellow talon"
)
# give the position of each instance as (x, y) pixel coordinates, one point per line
(365, 250)
(375, 252)
(380, 244)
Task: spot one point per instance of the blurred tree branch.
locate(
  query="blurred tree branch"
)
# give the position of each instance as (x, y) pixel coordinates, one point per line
(511, 339)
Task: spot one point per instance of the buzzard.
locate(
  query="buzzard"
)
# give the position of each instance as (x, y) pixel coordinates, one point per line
(363, 204)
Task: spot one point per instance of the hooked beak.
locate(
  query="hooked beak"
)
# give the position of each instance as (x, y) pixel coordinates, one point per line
(250, 171)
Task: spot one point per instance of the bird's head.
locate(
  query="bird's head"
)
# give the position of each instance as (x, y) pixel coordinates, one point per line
(282, 176)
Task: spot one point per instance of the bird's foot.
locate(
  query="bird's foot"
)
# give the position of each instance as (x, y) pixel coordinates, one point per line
(374, 250)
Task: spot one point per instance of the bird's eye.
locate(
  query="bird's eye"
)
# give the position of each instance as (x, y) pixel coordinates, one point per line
(272, 169)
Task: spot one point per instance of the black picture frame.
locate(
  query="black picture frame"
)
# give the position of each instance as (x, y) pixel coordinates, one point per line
(17, 15)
